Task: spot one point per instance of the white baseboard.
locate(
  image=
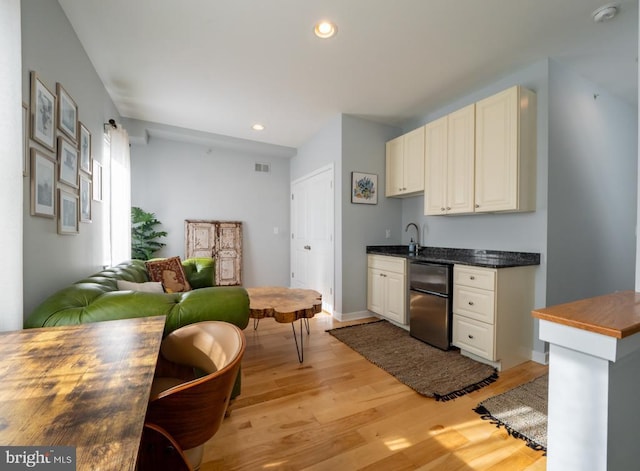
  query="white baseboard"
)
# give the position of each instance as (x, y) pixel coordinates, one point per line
(352, 316)
(540, 357)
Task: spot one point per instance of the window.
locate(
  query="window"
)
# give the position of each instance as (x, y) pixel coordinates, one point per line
(117, 185)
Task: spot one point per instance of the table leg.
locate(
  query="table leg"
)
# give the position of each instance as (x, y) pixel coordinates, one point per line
(299, 349)
(255, 323)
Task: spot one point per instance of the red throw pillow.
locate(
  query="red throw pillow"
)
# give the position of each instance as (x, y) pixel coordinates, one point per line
(169, 272)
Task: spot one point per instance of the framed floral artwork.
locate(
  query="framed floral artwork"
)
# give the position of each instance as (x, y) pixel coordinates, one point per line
(84, 146)
(67, 212)
(67, 162)
(364, 188)
(67, 113)
(43, 184)
(43, 112)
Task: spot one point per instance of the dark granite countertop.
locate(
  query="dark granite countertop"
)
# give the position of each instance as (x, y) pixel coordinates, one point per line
(479, 258)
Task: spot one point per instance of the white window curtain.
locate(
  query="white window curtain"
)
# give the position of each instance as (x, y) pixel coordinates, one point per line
(120, 195)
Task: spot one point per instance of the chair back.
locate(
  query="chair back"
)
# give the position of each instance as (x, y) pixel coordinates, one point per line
(193, 411)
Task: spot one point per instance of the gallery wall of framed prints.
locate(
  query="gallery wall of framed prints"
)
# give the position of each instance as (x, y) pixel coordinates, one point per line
(57, 157)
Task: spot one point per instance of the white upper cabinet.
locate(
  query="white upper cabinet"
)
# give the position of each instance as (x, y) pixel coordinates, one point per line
(505, 175)
(435, 166)
(482, 158)
(405, 164)
(449, 163)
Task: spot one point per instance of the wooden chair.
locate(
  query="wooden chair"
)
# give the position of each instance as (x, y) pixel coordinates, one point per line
(189, 397)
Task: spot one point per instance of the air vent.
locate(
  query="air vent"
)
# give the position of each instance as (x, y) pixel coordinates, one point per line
(264, 168)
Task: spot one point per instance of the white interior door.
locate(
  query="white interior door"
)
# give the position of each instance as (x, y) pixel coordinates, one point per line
(312, 234)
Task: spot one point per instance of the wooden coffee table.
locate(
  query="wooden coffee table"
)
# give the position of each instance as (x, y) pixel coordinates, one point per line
(285, 305)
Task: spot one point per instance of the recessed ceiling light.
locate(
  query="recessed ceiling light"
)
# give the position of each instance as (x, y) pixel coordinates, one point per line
(605, 13)
(325, 29)
(258, 127)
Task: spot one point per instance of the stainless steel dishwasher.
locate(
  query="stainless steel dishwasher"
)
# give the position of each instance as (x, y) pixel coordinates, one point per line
(430, 304)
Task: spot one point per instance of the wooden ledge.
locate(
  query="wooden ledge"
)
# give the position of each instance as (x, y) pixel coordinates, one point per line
(614, 315)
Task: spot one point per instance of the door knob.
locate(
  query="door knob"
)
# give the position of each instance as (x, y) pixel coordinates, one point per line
(307, 247)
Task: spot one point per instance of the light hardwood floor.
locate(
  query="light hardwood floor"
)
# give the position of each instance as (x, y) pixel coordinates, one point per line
(336, 411)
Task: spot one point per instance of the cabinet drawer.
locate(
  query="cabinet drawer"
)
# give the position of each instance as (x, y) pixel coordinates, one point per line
(483, 278)
(381, 262)
(478, 304)
(474, 337)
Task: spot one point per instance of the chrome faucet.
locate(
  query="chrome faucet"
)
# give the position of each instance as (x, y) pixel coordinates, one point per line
(406, 229)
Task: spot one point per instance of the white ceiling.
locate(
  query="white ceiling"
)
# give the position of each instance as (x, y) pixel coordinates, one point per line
(221, 65)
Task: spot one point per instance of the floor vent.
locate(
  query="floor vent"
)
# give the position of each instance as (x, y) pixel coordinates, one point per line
(264, 168)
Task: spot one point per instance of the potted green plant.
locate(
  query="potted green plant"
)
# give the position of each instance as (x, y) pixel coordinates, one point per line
(144, 237)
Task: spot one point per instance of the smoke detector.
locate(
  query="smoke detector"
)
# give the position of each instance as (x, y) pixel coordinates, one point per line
(605, 13)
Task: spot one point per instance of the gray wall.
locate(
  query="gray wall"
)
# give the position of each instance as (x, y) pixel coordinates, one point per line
(584, 224)
(592, 189)
(363, 150)
(51, 48)
(183, 180)
(352, 144)
(322, 149)
(525, 232)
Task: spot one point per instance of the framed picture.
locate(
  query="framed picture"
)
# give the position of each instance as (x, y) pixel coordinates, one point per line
(67, 162)
(97, 181)
(364, 188)
(67, 113)
(85, 198)
(67, 212)
(43, 111)
(84, 146)
(43, 171)
(25, 140)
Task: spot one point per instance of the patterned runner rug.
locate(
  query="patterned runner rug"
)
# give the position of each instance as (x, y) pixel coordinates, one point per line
(522, 411)
(428, 370)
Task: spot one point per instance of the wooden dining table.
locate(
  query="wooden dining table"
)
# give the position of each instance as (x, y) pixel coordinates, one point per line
(83, 386)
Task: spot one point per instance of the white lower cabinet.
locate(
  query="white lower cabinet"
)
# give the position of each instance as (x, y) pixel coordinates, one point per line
(387, 287)
(492, 313)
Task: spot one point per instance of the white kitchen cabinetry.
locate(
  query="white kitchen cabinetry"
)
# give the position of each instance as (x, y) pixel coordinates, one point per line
(492, 313)
(505, 175)
(387, 287)
(405, 164)
(449, 163)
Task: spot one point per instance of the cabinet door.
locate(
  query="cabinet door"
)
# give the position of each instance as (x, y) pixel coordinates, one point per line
(228, 254)
(200, 239)
(435, 167)
(413, 161)
(473, 336)
(497, 152)
(375, 291)
(396, 295)
(460, 160)
(394, 168)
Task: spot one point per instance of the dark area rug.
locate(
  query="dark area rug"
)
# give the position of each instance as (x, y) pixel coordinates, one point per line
(428, 370)
(522, 411)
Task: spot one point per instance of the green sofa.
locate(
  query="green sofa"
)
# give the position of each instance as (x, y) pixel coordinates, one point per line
(97, 298)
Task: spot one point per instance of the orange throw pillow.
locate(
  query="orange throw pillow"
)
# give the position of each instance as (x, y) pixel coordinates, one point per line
(170, 273)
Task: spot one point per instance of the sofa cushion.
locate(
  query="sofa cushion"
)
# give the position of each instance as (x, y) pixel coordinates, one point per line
(147, 287)
(200, 272)
(169, 272)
